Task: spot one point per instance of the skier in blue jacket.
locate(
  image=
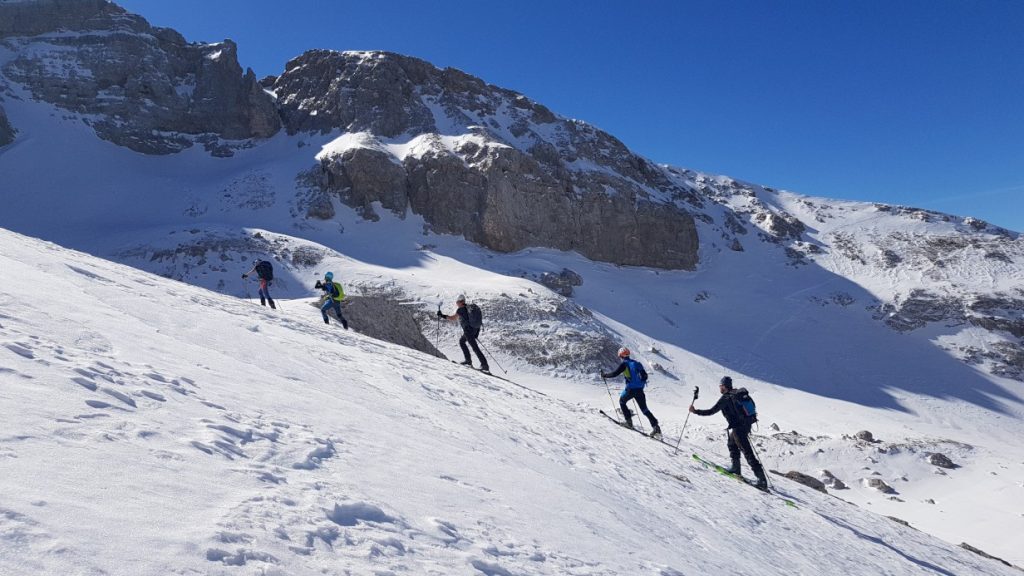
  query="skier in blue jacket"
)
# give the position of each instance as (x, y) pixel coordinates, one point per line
(636, 379)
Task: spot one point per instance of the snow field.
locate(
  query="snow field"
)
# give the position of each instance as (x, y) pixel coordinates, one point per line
(153, 427)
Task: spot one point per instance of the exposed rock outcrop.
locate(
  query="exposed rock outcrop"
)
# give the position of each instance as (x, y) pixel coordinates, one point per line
(806, 480)
(865, 435)
(388, 320)
(563, 282)
(6, 130)
(141, 87)
(941, 460)
(831, 481)
(484, 162)
(880, 485)
(984, 554)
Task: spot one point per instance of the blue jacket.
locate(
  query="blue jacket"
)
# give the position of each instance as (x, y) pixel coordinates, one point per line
(636, 376)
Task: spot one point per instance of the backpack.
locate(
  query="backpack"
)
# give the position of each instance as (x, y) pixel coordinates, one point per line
(265, 270)
(637, 375)
(745, 405)
(476, 316)
(336, 292)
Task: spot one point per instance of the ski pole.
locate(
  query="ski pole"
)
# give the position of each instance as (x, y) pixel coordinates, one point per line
(503, 371)
(615, 409)
(245, 285)
(639, 420)
(277, 303)
(696, 392)
(758, 458)
(437, 337)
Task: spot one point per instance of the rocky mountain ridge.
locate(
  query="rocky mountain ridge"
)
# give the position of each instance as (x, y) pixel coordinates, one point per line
(138, 86)
(486, 163)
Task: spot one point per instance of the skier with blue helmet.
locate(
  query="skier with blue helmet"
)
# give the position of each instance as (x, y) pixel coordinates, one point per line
(333, 295)
(636, 379)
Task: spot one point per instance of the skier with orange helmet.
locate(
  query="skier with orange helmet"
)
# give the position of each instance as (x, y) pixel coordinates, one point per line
(636, 379)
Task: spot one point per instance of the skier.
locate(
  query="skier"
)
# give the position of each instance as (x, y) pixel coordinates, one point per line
(636, 379)
(333, 295)
(739, 430)
(470, 331)
(265, 271)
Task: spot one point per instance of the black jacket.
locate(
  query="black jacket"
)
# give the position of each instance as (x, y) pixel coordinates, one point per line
(467, 328)
(729, 408)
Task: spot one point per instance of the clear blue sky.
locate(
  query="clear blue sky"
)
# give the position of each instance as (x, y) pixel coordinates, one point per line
(914, 102)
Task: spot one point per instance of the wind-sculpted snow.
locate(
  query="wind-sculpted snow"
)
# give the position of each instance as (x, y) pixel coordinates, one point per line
(299, 448)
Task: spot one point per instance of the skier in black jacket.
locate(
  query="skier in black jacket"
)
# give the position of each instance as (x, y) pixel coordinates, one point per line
(469, 333)
(739, 430)
(265, 272)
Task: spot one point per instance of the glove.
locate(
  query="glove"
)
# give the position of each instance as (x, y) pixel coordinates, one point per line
(244, 276)
(440, 314)
(318, 284)
(603, 375)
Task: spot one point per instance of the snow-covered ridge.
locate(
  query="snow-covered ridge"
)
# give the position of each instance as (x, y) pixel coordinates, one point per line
(216, 437)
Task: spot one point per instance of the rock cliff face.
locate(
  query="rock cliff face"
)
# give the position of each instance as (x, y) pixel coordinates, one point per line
(480, 161)
(141, 87)
(6, 130)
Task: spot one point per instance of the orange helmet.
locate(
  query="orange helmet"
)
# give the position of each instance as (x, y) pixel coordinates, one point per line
(623, 352)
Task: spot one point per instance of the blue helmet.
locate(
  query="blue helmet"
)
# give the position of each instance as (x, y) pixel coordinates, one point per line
(329, 276)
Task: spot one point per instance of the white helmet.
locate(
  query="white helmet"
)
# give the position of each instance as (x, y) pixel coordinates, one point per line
(623, 352)
(461, 298)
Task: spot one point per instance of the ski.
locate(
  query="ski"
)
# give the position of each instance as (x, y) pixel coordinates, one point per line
(657, 438)
(487, 372)
(724, 472)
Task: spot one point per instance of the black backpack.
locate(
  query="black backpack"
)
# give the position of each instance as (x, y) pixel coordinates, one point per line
(745, 406)
(476, 316)
(265, 270)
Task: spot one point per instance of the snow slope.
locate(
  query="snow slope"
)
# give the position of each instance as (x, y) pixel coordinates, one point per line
(162, 428)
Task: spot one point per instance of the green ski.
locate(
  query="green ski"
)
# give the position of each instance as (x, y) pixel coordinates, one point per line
(724, 472)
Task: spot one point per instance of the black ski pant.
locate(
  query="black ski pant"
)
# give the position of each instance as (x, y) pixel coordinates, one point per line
(739, 441)
(641, 400)
(470, 335)
(264, 293)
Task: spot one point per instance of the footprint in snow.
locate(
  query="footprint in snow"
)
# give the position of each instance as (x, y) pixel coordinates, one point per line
(153, 395)
(20, 349)
(120, 396)
(316, 457)
(86, 383)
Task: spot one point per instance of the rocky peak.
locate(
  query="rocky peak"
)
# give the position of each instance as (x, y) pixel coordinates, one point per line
(141, 87)
(31, 18)
(482, 161)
